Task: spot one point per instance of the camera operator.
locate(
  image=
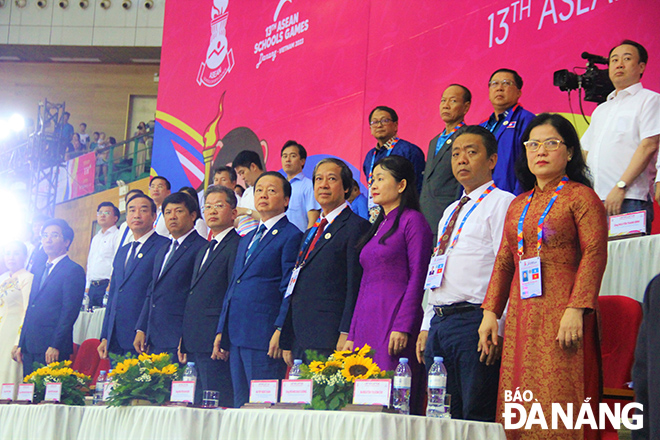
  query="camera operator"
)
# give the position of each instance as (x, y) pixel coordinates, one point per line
(622, 139)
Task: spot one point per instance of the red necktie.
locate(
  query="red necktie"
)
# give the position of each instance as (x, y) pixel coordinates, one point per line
(319, 231)
(444, 241)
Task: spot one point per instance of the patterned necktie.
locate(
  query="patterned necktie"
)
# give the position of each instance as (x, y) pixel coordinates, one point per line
(45, 275)
(131, 255)
(255, 242)
(444, 241)
(318, 234)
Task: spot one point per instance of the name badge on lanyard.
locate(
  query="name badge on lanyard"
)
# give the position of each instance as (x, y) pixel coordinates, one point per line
(292, 281)
(529, 269)
(438, 262)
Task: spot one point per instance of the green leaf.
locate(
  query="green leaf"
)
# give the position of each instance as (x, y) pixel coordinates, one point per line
(328, 390)
(334, 403)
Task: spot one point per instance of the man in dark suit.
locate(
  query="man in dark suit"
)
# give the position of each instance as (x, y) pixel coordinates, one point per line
(213, 269)
(158, 329)
(440, 188)
(324, 294)
(254, 307)
(131, 276)
(55, 298)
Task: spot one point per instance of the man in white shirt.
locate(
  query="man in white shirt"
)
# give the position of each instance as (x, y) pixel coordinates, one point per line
(622, 140)
(247, 165)
(101, 253)
(159, 189)
(303, 208)
(469, 234)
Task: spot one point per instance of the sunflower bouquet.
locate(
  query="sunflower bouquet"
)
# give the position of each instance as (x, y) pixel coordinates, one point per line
(74, 384)
(333, 377)
(147, 377)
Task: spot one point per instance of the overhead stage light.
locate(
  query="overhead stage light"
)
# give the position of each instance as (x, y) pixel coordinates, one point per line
(16, 122)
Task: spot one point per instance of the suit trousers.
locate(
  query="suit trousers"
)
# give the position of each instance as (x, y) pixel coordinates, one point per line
(96, 293)
(248, 364)
(30, 358)
(115, 348)
(472, 384)
(212, 375)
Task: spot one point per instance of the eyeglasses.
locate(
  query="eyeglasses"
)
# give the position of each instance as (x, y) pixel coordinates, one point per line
(504, 83)
(549, 144)
(216, 207)
(104, 213)
(52, 236)
(383, 121)
(161, 186)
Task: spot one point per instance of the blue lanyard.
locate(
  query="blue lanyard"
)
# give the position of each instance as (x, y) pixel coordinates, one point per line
(506, 113)
(389, 148)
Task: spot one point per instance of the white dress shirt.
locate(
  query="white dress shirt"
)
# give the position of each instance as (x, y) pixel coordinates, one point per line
(160, 226)
(142, 240)
(470, 263)
(129, 235)
(218, 238)
(270, 223)
(617, 128)
(332, 215)
(101, 253)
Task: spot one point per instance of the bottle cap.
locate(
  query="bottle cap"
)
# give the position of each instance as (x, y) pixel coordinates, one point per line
(297, 362)
(403, 360)
(192, 364)
(102, 372)
(437, 359)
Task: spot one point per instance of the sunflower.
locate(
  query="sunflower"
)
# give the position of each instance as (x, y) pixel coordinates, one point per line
(331, 367)
(316, 366)
(340, 355)
(169, 369)
(364, 350)
(154, 371)
(356, 367)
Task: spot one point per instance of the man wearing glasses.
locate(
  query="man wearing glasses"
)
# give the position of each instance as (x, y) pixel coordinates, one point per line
(507, 123)
(384, 123)
(101, 253)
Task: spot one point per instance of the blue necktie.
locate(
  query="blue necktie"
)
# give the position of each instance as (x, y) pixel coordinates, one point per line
(255, 242)
(131, 255)
(175, 246)
(45, 275)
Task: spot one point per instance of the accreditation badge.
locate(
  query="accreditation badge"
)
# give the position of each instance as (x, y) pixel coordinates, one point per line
(435, 272)
(292, 281)
(530, 277)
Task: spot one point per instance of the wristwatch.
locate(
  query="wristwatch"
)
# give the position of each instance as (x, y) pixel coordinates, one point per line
(621, 184)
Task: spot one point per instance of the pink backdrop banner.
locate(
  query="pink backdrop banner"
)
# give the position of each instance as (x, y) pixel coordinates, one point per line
(253, 74)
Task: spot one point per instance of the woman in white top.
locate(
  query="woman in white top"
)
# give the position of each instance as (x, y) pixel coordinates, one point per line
(15, 288)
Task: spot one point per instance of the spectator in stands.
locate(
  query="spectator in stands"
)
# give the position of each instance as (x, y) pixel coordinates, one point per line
(64, 130)
(37, 256)
(132, 273)
(303, 209)
(94, 141)
(159, 189)
(101, 253)
(357, 201)
(384, 123)
(508, 123)
(84, 137)
(226, 176)
(247, 165)
(102, 159)
(125, 233)
(239, 190)
(212, 272)
(77, 148)
(139, 146)
(200, 225)
(57, 292)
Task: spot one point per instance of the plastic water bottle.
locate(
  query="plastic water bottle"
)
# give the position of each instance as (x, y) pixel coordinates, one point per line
(294, 373)
(190, 373)
(100, 385)
(105, 299)
(437, 388)
(85, 303)
(402, 383)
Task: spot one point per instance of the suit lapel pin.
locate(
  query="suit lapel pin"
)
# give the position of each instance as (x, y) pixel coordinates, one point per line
(140, 255)
(328, 235)
(275, 232)
(448, 141)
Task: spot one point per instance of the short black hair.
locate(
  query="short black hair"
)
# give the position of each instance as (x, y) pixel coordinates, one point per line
(286, 186)
(384, 108)
(219, 189)
(192, 193)
(82, 123)
(142, 195)
(115, 210)
(167, 182)
(346, 174)
(67, 231)
(66, 114)
(230, 170)
(246, 158)
(301, 150)
(135, 191)
(182, 198)
(467, 95)
(517, 78)
(643, 54)
(488, 138)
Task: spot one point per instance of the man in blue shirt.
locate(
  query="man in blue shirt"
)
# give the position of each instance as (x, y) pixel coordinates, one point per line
(303, 208)
(384, 123)
(507, 123)
(358, 202)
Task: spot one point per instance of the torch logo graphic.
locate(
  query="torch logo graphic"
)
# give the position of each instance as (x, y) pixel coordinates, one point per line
(212, 141)
(219, 58)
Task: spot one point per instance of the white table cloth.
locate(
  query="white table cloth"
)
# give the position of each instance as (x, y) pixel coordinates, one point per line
(631, 265)
(88, 326)
(40, 422)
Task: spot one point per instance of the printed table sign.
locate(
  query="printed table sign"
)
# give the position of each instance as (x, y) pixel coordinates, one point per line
(296, 391)
(627, 224)
(263, 391)
(25, 392)
(372, 392)
(53, 392)
(183, 391)
(7, 392)
(107, 388)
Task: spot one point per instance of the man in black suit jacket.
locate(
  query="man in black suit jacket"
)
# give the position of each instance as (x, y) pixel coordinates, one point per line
(440, 188)
(213, 269)
(131, 276)
(323, 297)
(55, 298)
(160, 322)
